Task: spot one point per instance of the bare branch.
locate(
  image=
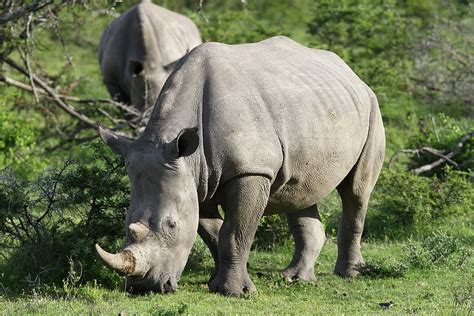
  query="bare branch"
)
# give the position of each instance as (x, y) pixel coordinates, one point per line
(27, 57)
(23, 86)
(66, 107)
(34, 6)
(444, 157)
(201, 11)
(453, 153)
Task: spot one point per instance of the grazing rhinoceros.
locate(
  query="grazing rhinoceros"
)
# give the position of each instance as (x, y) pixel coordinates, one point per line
(138, 51)
(263, 128)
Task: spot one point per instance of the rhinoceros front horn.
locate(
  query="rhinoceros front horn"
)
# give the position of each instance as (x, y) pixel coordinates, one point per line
(123, 262)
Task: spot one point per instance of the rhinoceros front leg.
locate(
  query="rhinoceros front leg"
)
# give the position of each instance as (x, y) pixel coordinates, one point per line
(308, 234)
(245, 202)
(210, 222)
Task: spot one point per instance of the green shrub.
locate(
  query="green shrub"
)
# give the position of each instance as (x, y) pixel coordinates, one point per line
(404, 204)
(272, 231)
(438, 248)
(18, 141)
(357, 30)
(235, 27)
(443, 133)
(52, 222)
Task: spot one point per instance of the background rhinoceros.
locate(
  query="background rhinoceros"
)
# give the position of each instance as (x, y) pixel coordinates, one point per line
(139, 49)
(263, 128)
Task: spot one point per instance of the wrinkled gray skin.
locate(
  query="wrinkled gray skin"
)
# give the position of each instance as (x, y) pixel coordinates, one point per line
(263, 128)
(138, 51)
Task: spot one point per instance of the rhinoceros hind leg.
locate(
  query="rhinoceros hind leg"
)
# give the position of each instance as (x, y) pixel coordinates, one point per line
(355, 192)
(245, 200)
(210, 222)
(308, 234)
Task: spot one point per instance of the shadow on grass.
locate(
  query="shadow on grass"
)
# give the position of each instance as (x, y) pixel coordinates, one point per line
(378, 270)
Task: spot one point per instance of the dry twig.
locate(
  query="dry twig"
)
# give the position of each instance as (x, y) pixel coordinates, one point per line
(66, 107)
(444, 156)
(23, 86)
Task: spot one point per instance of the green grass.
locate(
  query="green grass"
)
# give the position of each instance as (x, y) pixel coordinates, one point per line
(439, 290)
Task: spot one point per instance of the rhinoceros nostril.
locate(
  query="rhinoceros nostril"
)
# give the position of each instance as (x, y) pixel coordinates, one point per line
(168, 287)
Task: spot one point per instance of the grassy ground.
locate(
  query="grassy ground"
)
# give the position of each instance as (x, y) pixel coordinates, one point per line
(438, 290)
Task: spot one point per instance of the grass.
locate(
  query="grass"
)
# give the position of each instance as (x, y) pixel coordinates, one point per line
(439, 290)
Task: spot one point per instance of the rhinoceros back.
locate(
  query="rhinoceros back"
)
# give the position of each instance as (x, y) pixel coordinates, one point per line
(296, 115)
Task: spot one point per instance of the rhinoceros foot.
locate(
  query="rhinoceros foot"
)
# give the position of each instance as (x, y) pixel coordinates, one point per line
(294, 274)
(349, 269)
(232, 284)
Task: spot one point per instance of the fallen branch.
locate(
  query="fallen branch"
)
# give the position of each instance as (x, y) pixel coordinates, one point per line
(444, 157)
(454, 152)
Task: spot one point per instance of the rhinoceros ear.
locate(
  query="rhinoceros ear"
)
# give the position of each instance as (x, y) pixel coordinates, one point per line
(118, 144)
(185, 143)
(135, 67)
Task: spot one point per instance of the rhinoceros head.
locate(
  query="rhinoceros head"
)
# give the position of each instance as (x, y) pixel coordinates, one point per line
(162, 220)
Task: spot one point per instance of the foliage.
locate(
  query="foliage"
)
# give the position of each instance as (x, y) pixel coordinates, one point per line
(357, 31)
(52, 222)
(402, 46)
(443, 133)
(235, 27)
(437, 249)
(405, 204)
(378, 269)
(443, 71)
(17, 142)
(272, 232)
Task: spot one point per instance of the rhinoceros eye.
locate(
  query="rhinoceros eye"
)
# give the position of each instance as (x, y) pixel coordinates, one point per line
(169, 227)
(171, 223)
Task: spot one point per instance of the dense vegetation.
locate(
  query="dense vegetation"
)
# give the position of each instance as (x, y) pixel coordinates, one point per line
(61, 190)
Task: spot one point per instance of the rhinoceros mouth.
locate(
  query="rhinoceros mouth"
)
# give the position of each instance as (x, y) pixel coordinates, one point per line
(146, 284)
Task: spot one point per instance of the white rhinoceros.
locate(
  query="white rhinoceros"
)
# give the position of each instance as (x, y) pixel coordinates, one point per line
(138, 51)
(263, 128)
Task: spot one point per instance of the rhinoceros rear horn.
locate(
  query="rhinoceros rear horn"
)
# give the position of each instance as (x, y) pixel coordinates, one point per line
(123, 262)
(118, 144)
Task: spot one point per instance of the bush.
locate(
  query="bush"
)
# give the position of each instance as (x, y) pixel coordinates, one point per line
(357, 31)
(235, 27)
(442, 133)
(437, 249)
(52, 222)
(404, 204)
(18, 139)
(272, 231)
